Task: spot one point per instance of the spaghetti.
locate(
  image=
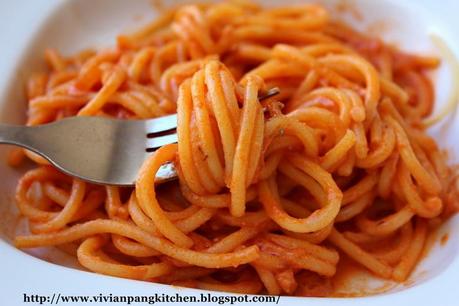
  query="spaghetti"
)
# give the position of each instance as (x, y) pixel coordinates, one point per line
(269, 193)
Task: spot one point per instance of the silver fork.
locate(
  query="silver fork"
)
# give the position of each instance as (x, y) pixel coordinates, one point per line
(100, 150)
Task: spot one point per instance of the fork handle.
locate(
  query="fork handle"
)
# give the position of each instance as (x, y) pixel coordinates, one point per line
(16, 135)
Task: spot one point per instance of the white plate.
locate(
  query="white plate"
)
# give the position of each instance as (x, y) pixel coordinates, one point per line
(27, 27)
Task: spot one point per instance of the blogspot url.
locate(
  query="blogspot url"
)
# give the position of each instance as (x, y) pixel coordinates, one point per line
(157, 298)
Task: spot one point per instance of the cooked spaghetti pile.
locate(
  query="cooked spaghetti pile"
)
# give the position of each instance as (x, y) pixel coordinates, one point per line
(270, 193)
